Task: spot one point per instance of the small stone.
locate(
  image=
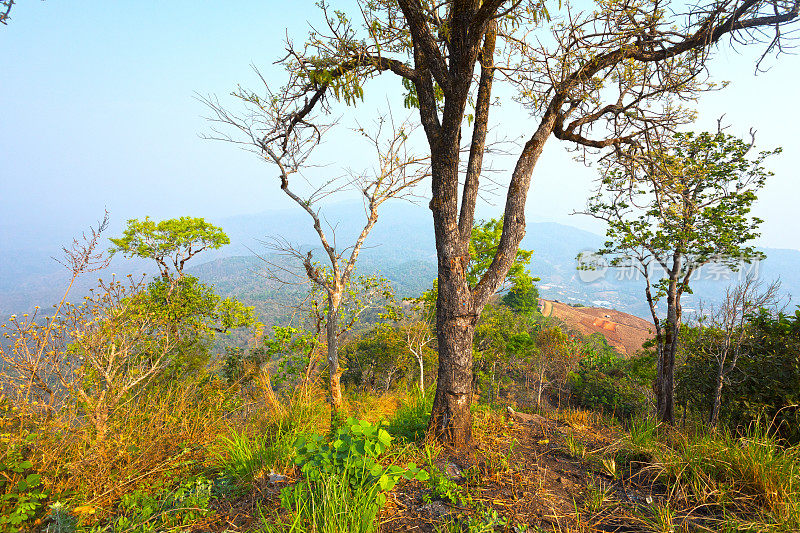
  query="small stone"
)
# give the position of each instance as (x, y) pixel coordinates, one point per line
(276, 478)
(435, 510)
(453, 472)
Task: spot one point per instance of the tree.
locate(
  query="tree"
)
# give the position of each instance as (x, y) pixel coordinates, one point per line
(596, 79)
(358, 295)
(195, 314)
(194, 311)
(670, 209)
(558, 355)
(29, 347)
(170, 243)
(95, 356)
(5, 11)
(286, 143)
(483, 244)
(379, 353)
(768, 379)
(498, 325)
(726, 328)
(762, 388)
(523, 296)
(414, 318)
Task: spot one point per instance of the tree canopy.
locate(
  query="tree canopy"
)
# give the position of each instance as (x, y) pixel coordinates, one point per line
(673, 208)
(170, 243)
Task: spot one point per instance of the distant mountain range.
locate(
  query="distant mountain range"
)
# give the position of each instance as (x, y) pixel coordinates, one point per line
(401, 248)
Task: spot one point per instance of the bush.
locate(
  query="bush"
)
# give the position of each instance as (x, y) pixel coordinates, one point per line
(766, 377)
(609, 383)
(344, 483)
(21, 493)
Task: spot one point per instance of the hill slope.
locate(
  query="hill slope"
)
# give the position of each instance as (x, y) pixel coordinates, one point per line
(401, 248)
(623, 331)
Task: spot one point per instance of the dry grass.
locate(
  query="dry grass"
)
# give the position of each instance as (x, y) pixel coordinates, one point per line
(159, 436)
(720, 483)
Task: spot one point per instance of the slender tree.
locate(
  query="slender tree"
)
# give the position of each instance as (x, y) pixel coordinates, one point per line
(287, 142)
(728, 326)
(671, 209)
(596, 79)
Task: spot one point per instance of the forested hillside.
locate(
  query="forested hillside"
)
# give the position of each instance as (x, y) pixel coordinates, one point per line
(400, 249)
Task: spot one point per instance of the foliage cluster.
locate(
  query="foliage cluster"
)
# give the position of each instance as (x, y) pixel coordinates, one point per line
(765, 384)
(21, 492)
(344, 484)
(614, 385)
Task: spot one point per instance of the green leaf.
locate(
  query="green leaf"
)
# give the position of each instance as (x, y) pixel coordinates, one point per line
(384, 437)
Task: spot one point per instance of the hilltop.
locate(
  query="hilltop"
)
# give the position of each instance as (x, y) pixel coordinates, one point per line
(623, 331)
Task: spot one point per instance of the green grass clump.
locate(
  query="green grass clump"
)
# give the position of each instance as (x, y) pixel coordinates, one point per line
(642, 442)
(410, 421)
(753, 475)
(242, 458)
(328, 504)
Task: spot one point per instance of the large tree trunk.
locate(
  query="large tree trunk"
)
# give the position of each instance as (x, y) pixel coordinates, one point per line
(458, 306)
(451, 418)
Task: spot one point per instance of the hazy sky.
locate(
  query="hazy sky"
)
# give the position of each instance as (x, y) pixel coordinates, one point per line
(97, 110)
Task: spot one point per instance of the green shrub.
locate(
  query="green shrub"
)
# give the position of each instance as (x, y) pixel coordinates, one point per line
(21, 493)
(344, 484)
(353, 453)
(609, 383)
(766, 377)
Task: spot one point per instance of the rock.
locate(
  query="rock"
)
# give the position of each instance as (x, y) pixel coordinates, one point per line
(524, 418)
(274, 478)
(435, 510)
(453, 472)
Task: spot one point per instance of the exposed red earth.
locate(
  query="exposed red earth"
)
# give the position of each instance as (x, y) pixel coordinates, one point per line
(624, 332)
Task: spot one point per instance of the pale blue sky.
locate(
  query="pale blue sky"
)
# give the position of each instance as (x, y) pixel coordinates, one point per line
(97, 109)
